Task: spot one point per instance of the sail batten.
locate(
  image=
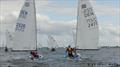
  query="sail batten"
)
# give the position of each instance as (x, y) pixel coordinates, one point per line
(87, 26)
(25, 32)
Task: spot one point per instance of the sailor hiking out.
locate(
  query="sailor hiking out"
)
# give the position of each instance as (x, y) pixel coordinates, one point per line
(34, 54)
(70, 51)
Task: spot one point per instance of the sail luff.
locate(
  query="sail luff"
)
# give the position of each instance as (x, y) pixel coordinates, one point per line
(77, 24)
(35, 22)
(9, 39)
(77, 28)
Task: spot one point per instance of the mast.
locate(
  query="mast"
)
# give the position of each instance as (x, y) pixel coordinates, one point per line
(6, 38)
(77, 26)
(9, 39)
(52, 41)
(35, 22)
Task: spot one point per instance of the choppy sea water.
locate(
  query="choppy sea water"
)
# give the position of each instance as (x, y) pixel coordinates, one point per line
(104, 57)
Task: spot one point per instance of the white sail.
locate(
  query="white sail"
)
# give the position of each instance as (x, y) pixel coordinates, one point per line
(9, 39)
(87, 26)
(25, 33)
(74, 38)
(51, 42)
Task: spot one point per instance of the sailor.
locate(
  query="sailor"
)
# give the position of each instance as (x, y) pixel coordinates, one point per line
(53, 49)
(34, 54)
(70, 51)
(6, 49)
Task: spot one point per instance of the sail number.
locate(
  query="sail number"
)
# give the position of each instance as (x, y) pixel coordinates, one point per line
(92, 22)
(88, 12)
(20, 27)
(90, 16)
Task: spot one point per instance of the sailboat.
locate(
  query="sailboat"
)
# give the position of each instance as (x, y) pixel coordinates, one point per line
(25, 38)
(87, 36)
(52, 42)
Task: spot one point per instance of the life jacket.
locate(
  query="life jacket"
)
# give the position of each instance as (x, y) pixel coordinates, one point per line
(69, 50)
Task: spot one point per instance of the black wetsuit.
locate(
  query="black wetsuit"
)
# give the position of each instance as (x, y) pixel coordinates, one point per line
(70, 52)
(6, 49)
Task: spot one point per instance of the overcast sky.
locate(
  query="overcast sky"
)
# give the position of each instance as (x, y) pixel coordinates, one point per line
(58, 18)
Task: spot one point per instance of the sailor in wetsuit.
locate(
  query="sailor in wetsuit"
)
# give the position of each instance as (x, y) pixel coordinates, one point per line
(34, 54)
(70, 51)
(6, 49)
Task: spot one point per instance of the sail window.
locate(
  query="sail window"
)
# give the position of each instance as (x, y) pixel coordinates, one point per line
(23, 14)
